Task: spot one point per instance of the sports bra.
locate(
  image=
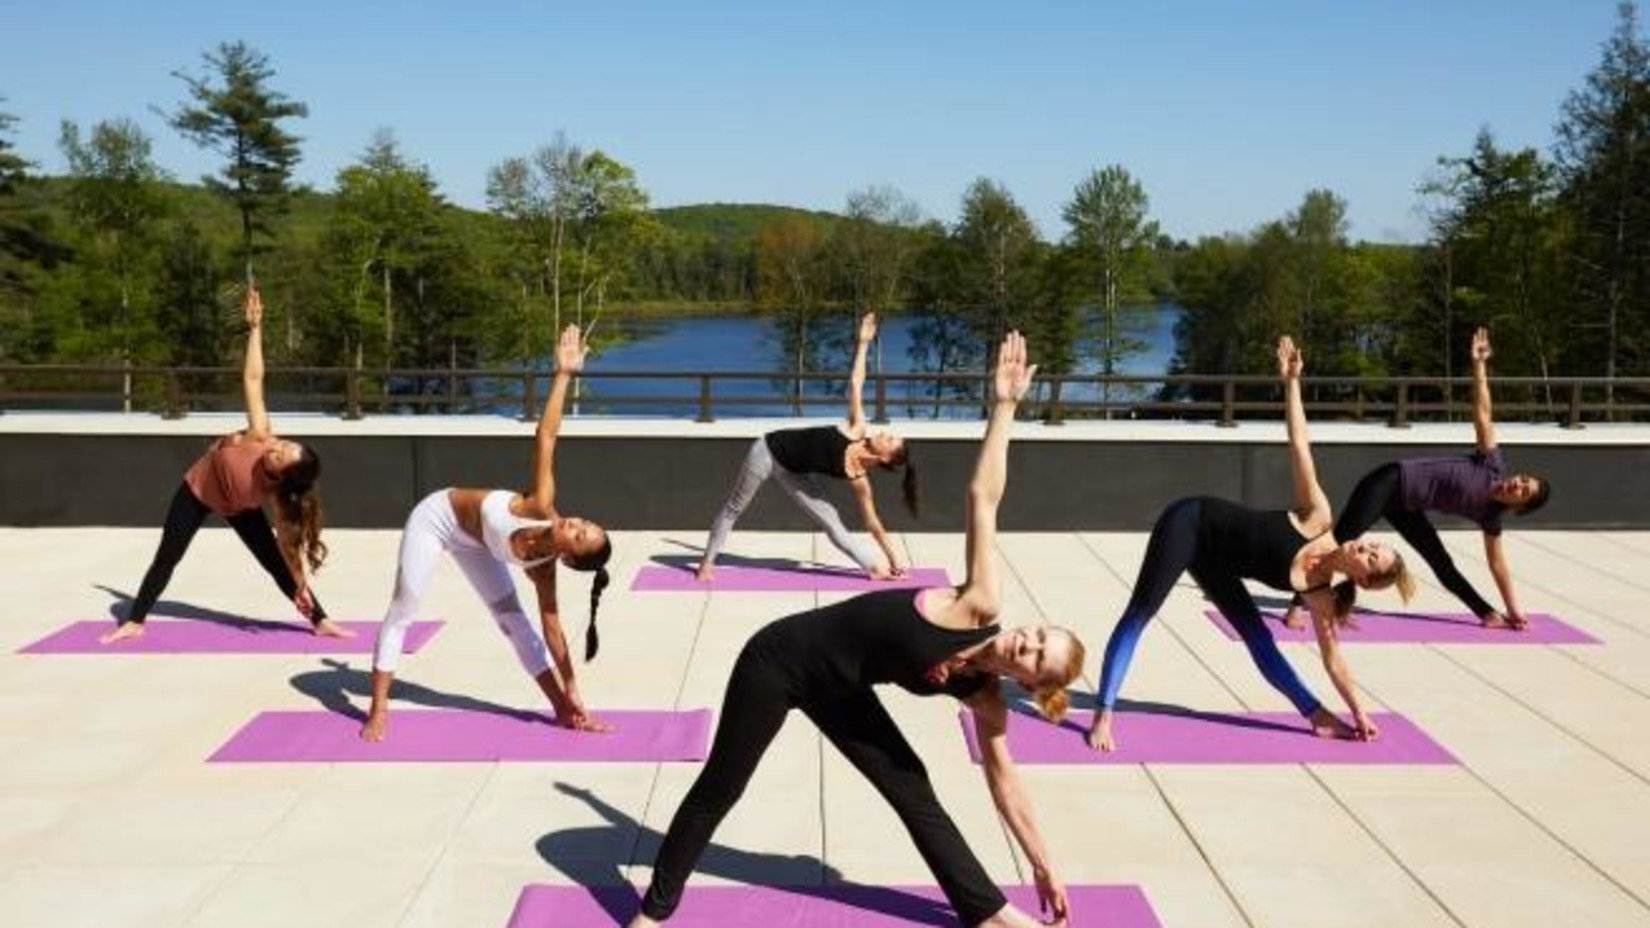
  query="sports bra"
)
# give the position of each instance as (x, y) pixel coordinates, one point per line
(498, 523)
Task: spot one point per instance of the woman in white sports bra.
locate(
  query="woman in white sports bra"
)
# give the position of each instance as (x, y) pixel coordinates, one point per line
(485, 531)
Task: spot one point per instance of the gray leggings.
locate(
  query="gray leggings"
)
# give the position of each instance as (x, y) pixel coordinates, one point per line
(803, 488)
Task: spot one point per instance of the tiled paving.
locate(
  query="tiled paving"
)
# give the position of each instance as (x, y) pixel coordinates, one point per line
(110, 817)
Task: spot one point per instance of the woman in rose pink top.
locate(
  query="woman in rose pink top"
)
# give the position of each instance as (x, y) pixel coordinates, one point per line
(234, 478)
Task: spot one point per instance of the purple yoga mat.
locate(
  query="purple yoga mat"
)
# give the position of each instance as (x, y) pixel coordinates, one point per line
(657, 578)
(253, 636)
(459, 735)
(1375, 627)
(1210, 738)
(837, 906)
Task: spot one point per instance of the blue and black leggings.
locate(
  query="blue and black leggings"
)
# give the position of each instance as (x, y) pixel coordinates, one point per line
(1172, 551)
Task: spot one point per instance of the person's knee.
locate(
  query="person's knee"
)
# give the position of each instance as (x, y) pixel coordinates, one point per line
(512, 622)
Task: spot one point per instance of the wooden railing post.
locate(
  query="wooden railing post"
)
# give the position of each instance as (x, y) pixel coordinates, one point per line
(352, 393)
(1400, 409)
(1573, 419)
(174, 396)
(1055, 415)
(1228, 405)
(704, 400)
(529, 394)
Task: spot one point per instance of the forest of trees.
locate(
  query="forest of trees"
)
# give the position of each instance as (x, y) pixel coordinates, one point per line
(115, 259)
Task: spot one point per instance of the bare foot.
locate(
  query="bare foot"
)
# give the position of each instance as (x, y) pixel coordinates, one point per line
(705, 573)
(122, 632)
(1292, 618)
(373, 730)
(327, 628)
(1100, 737)
(1326, 724)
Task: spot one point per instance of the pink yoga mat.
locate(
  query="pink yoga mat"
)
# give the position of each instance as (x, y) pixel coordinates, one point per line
(254, 636)
(837, 906)
(1375, 627)
(735, 578)
(459, 735)
(1210, 738)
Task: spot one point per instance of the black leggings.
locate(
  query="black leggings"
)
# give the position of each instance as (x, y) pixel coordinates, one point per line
(1379, 496)
(757, 701)
(183, 519)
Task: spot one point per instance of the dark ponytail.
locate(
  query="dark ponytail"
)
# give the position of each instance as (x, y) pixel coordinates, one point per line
(596, 561)
(298, 504)
(908, 483)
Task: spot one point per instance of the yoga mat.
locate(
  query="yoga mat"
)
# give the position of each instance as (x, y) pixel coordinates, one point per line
(734, 578)
(1210, 738)
(466, 735)
(254, 636)
(1376, 627)
(837, 906)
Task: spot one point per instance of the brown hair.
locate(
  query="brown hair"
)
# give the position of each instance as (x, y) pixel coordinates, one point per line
(596, 561)
(901, 460)
(1051, 698)
(1346, 592)
(298, 506)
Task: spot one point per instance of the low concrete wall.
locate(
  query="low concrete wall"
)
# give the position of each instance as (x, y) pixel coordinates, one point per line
(121, 470)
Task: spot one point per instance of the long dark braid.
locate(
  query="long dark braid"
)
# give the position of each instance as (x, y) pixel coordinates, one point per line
(594, 561)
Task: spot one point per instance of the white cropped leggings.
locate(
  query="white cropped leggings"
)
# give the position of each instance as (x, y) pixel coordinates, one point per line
(431, 529)
(803, 488)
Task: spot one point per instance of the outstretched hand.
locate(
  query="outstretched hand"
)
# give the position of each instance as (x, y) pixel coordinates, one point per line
(570, 351)
(252, 308)
(1290, 363)
(867, 327)
(1480, 345)
(1013, 376)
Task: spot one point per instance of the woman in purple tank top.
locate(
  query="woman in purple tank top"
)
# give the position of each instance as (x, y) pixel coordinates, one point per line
(234, 479)
(1472, 487)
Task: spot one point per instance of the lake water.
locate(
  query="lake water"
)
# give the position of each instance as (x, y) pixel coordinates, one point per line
(750, 343)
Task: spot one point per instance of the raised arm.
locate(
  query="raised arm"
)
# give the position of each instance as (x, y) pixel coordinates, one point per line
(856, 378)
(983, 589)
(1483, 425)
(252, 368)
(1009, 795)
(1311, 505)
(570, 352)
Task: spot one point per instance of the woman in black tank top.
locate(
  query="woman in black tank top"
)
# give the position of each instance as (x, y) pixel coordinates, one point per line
(826, 662)
(1222, 543)
(797, 458)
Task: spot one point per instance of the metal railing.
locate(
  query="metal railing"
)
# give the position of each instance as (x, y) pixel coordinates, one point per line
(704, 395)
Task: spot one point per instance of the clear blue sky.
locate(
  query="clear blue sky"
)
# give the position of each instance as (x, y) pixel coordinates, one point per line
(1227, 110)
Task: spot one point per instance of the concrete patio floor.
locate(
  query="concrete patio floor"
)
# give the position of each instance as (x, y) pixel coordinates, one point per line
(109, 815)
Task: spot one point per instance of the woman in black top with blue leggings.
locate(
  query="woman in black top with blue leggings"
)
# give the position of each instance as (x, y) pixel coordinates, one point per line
(932, 641)
(1222, 543)
(797, 458)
